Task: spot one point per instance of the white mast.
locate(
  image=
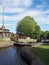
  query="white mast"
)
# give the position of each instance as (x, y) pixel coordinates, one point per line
(3, 16)
(3, 20)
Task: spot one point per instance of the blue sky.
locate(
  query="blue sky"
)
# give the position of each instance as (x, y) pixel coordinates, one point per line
(15, 10)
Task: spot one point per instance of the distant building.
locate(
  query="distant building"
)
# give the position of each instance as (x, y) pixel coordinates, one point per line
(4, 33)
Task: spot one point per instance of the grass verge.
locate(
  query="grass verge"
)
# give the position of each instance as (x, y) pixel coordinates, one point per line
(42, 52)
(4, 41)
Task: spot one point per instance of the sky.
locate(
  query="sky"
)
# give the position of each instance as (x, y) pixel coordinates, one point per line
(16, 10)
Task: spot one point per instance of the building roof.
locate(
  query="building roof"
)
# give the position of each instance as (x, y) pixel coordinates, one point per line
(4, 30)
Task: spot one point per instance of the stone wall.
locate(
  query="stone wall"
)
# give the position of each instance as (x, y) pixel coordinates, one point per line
(29, 57)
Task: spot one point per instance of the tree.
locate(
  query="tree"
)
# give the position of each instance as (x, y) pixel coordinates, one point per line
(45, 34)
(28, 27)
(37, 32)
(48, 35)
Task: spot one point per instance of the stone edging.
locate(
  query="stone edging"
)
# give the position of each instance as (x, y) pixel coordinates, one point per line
(29, 57)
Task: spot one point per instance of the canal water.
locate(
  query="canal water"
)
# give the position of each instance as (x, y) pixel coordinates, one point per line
(11, 56)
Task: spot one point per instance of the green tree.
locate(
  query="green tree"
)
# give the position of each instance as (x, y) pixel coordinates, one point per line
(37, 32)
(48, 35)
(45, 34)
(28, 27)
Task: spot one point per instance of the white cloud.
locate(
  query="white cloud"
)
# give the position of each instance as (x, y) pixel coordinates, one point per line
(42, 20)
(40, 6)
(12, 10)
(16, 3)
(1, 17)
(27, 2)
(20, 7)
(32, 13)
(46, 12)
(43, 5)
(8, 25)
(38, 15)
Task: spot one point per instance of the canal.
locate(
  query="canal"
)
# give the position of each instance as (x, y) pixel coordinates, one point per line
(11, 56)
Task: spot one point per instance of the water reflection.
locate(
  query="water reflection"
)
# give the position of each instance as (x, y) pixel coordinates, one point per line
(10, 56)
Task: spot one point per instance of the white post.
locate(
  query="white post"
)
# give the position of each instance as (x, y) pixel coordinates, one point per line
(3, 20)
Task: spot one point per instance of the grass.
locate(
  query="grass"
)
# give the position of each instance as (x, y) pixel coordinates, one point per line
(42, 52)
(3, 41)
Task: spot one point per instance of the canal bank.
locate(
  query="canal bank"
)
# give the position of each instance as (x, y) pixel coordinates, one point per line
(6, 44)
(30, 57)
(15, 55)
